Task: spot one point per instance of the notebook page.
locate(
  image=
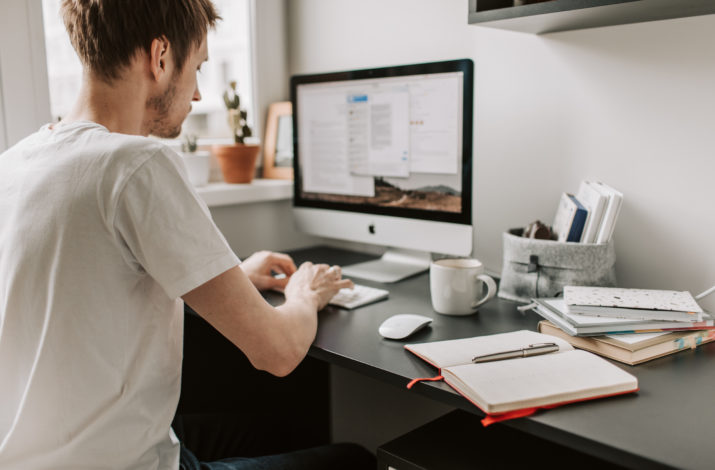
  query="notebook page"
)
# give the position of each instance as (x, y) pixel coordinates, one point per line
(539, 380)
(462, 351)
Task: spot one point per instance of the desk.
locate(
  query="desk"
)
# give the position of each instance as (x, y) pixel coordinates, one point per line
(670, 423)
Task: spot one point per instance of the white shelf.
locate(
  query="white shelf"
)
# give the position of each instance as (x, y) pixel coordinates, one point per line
(259, 190)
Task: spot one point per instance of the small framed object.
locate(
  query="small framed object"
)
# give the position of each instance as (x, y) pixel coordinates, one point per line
(278, 149)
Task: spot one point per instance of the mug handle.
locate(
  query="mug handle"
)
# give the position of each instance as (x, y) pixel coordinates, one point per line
(491, 289)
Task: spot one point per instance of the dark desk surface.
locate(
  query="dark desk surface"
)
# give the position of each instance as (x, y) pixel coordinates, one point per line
(668, 424)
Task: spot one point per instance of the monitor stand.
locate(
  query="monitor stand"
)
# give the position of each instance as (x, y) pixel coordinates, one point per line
(395, 265)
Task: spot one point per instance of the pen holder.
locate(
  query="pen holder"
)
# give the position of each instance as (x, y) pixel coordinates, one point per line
(541, 268)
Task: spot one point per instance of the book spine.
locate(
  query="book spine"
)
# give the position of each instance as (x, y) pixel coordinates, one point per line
(594, 201)
(546, 312)
(578, 222)
(564, 218)
(613, 208)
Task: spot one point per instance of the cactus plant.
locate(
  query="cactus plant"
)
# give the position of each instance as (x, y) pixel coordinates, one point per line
(236, 115)
(237, 161)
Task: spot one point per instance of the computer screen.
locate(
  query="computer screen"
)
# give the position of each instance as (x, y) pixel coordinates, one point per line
(375, 149)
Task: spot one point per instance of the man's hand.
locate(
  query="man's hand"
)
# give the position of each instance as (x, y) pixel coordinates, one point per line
(317, 282)
(260, 266)
(274, 339)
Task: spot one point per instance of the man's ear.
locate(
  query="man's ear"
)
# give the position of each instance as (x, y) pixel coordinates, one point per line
(159, 56)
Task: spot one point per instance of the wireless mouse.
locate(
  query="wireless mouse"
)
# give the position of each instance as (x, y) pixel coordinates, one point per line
(403, 325)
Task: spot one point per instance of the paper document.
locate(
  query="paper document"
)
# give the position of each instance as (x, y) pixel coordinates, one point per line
(378, 133)
(325, 139)
(435, 119)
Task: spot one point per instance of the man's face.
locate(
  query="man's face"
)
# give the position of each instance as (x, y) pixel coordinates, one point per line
(169, 108)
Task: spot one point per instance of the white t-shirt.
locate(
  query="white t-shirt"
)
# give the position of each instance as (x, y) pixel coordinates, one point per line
(100, 235)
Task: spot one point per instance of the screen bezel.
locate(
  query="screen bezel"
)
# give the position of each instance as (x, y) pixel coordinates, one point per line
(466, 66)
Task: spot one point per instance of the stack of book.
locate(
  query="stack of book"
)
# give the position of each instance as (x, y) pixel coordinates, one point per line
(590, 215)
(673, 320)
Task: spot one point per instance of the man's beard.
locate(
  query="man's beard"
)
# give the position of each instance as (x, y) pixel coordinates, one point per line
(160, 126)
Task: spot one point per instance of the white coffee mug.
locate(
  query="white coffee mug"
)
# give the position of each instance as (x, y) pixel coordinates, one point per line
(457, 285)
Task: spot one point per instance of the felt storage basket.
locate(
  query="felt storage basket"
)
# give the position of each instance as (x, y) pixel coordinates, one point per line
(541, 268)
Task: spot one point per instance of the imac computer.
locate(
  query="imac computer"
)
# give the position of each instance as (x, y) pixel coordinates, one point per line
(384, 156)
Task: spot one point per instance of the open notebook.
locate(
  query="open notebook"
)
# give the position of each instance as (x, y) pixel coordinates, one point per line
(519, 387)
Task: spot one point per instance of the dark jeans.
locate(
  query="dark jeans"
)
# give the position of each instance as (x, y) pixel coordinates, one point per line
(330, 457)
(231, 442)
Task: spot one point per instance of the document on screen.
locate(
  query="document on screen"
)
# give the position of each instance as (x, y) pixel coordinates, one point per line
(435, 128)
(325, 140)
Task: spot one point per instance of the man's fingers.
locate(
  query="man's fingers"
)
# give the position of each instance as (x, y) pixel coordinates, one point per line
(335, 272)
(278, 282)
(321, 268)
(345, 283)
(283, 263)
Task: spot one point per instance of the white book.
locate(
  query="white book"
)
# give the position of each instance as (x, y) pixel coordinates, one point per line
(556, 311)
(592, 198)
(636, 304)
(637, 313)
(610, 215)
(526, 383)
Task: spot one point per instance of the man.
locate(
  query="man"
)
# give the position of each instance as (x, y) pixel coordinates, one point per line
(101, 237)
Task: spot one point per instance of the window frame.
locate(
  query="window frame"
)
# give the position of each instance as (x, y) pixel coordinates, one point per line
(24, 82)
(24, 86)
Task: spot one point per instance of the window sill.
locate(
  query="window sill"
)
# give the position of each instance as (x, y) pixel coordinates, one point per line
(259, 190)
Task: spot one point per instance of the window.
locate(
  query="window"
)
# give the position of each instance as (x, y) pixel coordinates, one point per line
(229, 59)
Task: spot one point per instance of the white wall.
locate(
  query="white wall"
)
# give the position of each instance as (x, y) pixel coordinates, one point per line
(271, 58)
(260, 226)
(633, 106)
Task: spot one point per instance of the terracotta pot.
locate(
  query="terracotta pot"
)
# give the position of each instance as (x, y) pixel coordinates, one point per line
(237, 161)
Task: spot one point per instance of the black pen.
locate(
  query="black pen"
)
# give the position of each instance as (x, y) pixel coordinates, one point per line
(531, 350)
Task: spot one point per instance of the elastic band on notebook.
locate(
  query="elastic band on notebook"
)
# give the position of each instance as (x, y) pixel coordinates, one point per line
(524, 308)
(426, 379)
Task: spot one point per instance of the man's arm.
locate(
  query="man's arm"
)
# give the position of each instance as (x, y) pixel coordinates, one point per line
(275, 339)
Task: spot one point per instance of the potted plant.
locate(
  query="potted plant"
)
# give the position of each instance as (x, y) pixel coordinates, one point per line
(237, 161)
(197, 163)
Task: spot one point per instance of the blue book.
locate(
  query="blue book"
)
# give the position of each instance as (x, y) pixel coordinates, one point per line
(570, 220)
(579, 221)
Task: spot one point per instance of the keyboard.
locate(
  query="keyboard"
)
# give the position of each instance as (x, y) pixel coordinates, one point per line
(358, 296)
